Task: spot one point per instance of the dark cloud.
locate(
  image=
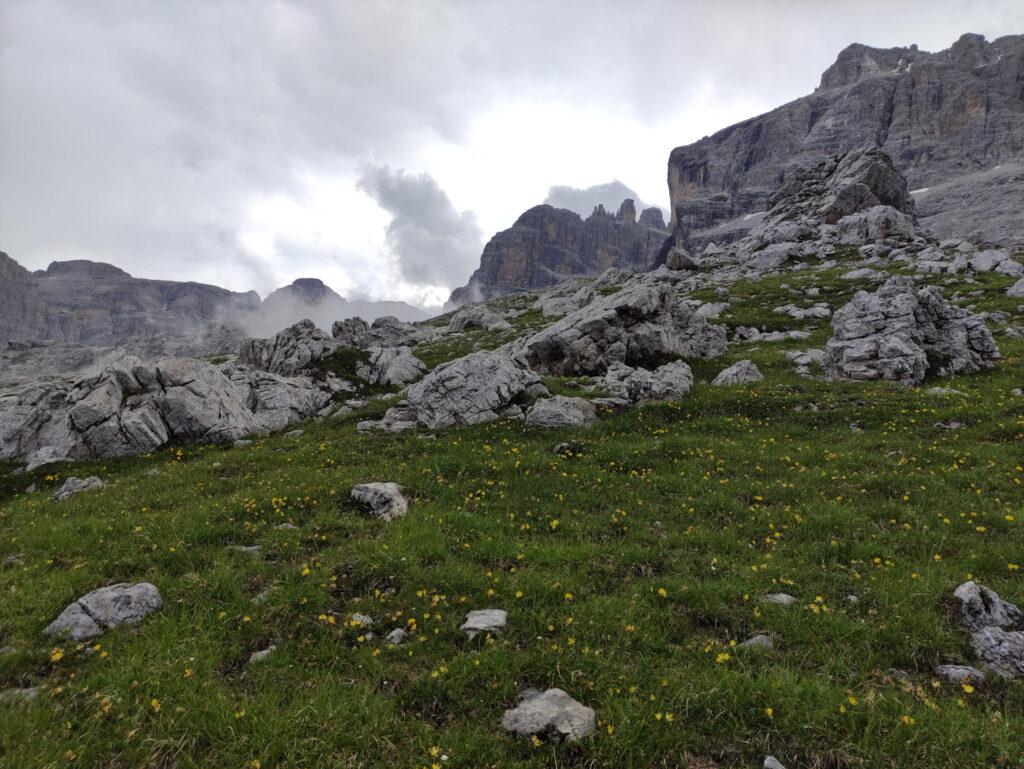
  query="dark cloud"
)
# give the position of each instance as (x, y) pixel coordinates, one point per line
(434, 243)
(583, 201)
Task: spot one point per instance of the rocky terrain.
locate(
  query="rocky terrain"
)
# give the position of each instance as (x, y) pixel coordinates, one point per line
(547, 244)
(82, 304)
(734, 503)
(953, 121)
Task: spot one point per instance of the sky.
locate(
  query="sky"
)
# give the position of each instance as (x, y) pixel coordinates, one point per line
(378, 145)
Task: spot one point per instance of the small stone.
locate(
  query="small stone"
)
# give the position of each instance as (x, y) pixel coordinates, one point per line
(76, 486)
(782, 599)
(361, 620)
(241, 443)
(552, 714)
(104, 609)
(384, 500)
(759, 641)
(484, 621)
(396, 637)
(261, 655)
(253, 550)
(771, 762)
(960, 674)
(293, 433)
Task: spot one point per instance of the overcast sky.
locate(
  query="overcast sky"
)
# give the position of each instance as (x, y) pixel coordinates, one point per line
(377, 145)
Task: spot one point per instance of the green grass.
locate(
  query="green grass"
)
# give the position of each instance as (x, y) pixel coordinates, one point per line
(715, 501)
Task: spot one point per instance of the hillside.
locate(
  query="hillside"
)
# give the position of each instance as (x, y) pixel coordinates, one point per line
(724, 505)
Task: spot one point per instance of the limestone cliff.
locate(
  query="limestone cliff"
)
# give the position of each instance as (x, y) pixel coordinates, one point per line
(547, 244)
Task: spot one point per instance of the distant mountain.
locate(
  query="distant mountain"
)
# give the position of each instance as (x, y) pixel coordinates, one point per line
(945, 118)
(311, 298)
(95, 304)
(547, 244)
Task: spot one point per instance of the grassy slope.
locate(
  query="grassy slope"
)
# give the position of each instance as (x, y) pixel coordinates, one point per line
(627, 572)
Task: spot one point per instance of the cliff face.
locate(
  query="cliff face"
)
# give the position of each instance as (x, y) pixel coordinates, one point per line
(92, 303)
(547, 244)
(940, 116)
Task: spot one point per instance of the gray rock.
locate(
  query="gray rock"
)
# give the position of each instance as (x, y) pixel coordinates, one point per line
(104, 609)
(877, 223)
(816, 311)
(261, 655)
(866, 273)
(670, 382)
(995, 627)
(293, 350)
(241, 443)
(74, 485)
(902, 333)
(806, 361)
(782, 599)
(484, 621)
(759, 641)
(478, 316)
(637, 324)
(771, 762)
(740, 372)
(391, 366)
(552, 714)
(383, 500)
(1016, 291)
(250, 550)
(960, 674)
(560, 411)
(361, 620)
(396, 637)
(479, 387)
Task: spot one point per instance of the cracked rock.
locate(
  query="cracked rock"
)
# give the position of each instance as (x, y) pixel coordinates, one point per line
(104, 609)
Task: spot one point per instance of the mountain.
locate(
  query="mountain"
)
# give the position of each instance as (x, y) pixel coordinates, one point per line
(311, 298)
(949, 120)
(91, 303)
(547, 244)
(94, 304)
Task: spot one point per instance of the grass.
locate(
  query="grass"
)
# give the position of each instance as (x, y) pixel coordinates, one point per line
(628, 570)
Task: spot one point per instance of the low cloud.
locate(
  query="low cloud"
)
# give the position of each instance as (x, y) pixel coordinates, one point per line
(584, 200)
(432, 241)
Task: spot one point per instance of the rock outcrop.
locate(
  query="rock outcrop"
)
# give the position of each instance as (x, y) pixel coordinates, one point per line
(643, 323)
(547, 244)
(671, 382)
(394, 366)
(384, 500)
(479, 387)
(295, 349)
(552, 714)
(134, 408)
(740, 372)
(941, 116)
(902, 333)
(996, 627)
(560, 411)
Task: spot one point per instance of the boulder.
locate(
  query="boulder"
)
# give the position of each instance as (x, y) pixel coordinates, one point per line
(740, 372)
(478, 316)
(641, 323)
(295, 349)
(479, 387)
(395, 366)
(1016, 291)
(75, 485)
(960, 674)
(560, 411)
(552, 714)
(383, 500)
(104, 609)
(670, 382)
(902, 333)
(996, 627)
(876, 223)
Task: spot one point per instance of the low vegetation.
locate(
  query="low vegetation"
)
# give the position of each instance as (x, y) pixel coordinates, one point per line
(630, 568)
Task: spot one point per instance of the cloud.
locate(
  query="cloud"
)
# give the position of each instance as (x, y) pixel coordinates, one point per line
(148, 134)
(434, 243)
(583, 201)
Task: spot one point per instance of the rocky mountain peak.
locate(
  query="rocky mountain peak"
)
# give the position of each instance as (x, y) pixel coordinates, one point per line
(627, 211)
(85, 269)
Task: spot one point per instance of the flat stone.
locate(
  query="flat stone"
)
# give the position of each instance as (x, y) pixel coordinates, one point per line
(560, 411)
(759, 641)
(104, 609)
(73, 486)
(261, 655)
(740, 372)
(960, 674)
(782, 599)
(484, 621)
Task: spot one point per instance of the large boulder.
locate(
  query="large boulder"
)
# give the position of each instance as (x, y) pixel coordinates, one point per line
(74, 485)
(902, 333)
(740, 372)
(390, 366)
(561, 411)
(104, 609)
(640, 324)
(996, 627)
(478, 316)
(293, 350)
(477, 388)
(384, 500)
(670, 382)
